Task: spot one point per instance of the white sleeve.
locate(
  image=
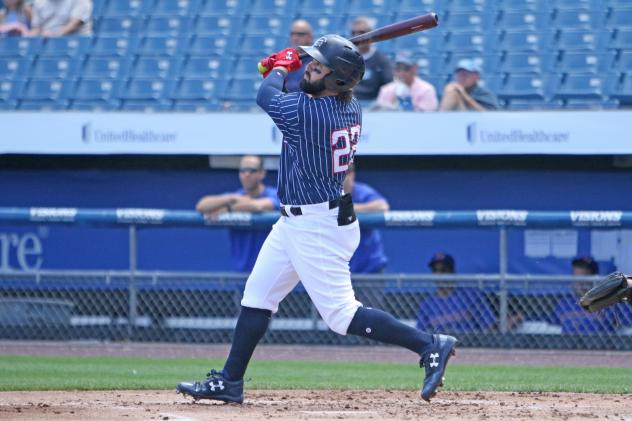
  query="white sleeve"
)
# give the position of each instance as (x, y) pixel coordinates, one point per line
(82, 10)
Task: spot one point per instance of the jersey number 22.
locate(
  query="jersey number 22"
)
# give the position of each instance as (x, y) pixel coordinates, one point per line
(343, 144)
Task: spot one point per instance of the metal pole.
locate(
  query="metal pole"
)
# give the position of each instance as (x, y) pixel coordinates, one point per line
(133, 299)
(503, 279)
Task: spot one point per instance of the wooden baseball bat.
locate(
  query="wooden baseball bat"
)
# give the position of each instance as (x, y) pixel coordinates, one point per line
(395, 30)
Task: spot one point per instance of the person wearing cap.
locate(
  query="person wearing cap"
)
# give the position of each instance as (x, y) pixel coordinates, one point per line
(569, 314)
(378, 69)
(369, 257)
(465, 93)
(300, 34)
(407, 92)
(454, 309)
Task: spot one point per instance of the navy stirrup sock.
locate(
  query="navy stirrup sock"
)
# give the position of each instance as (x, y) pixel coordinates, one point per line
(381, 326)
(251, 326)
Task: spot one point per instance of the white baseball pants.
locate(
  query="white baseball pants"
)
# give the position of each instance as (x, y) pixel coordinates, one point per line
(311, 248)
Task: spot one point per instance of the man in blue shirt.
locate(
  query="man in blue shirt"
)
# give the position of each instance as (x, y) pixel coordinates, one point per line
(317, 233)
(369, 257)
(253, 196)
(453, 309)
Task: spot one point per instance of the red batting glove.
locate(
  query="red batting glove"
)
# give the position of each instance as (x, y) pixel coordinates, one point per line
(288, 59)
(265, 66)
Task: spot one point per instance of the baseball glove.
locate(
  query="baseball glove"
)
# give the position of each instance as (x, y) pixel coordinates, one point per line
(615, 288)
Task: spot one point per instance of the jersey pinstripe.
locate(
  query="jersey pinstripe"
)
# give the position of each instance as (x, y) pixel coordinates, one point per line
(319, 141)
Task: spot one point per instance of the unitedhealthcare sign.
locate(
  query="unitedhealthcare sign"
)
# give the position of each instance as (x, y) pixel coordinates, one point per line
(490, 135)
(391, 133)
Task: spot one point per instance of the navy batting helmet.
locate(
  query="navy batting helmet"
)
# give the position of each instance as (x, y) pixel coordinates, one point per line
(342, 57)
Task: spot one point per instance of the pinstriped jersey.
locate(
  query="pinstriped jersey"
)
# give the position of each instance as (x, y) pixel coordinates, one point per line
(319, 142)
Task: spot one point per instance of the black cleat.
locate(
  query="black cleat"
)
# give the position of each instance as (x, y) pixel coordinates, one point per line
(435, 361)
(215, 387)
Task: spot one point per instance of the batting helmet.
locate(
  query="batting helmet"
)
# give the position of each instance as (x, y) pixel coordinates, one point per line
(342, 57)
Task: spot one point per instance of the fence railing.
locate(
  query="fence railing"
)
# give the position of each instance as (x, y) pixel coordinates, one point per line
(490, 310)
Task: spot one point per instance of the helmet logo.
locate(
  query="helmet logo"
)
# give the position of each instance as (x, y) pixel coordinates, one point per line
(320, 41)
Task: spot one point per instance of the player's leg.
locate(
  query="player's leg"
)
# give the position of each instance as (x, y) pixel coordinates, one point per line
(272, 278)
(320, 252)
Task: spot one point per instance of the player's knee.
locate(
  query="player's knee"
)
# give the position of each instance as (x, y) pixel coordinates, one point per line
(339, 319)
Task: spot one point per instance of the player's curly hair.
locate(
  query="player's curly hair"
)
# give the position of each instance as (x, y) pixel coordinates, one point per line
(345, 96)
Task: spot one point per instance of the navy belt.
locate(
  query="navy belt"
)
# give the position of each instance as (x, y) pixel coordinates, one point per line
(296, 210)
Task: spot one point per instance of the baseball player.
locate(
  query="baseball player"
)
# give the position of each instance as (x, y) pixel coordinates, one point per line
(317, 233)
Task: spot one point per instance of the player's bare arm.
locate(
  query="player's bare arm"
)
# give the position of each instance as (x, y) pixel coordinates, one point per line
(248, 204)
(214, 203)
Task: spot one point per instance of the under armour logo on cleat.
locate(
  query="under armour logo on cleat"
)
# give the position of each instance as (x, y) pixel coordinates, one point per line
(434, 362)
(219, 385)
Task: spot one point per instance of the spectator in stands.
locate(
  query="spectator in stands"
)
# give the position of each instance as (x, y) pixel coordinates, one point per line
(453, 309)
(465, 93)
(369, 257)
(407, 92)
(569, 314)
(378, 70)
(55, 18)
(300, 34)
(15, 18)
(253, 196)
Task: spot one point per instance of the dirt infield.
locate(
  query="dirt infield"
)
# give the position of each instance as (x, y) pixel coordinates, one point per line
(315, 405)
(312, 405)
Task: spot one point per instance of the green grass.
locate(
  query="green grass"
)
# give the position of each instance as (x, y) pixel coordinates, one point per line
(107, 373)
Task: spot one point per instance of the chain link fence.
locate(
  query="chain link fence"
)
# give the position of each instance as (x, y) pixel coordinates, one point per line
(508, 311)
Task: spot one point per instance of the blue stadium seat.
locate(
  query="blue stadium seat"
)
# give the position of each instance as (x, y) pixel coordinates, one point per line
(50, 90)
(575, 4)
(522, 5)
(177, 8)
(48, 67)
(224, 7)
(467, 21)
(106, 67)
(622, 39)
(433, 64)
(324, 7)
(466, 42)
(97, 90)
(438, 81)
(423, 42)
(624, 90)
(521, 20)
(19, 46)
(199, 89)
(129, 7)
(578, 19)
(206, 67)
(585, 62)
(147, 106)
(370, 7)
(119, 26)
(262, 44)
(488, 62)
(15, 66)
(98, 8)
(463, 6)
(169, 25)
(526, 63)
(620, 18)
(582, 40)
(242, 89)
(534, 104)
(580, 86)
(492, 81)
(202, 106)
(27, 105)
(624, 63)
(268, 24)
(78, 105)
(10, 89)
(246, 66)
(115, 45)
(518, 86)
(66, 46)
(591, 104)
(147, 89)
(418, 6)
(525, 41)
(275, 7)
(325, 23)
(206, 45)
(157, 67)
(164, 45)
(377, 20)
(218, 25)
(8, 105)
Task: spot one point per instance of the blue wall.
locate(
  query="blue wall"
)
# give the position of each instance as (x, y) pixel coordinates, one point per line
(207, 249)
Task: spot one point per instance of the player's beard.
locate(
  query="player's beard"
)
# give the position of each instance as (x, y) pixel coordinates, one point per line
(312, 88)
